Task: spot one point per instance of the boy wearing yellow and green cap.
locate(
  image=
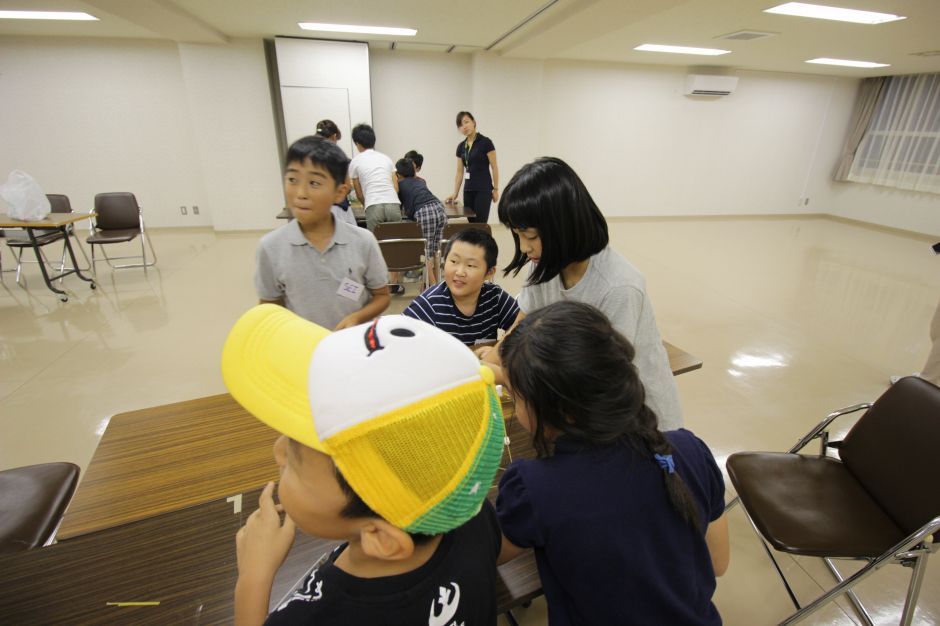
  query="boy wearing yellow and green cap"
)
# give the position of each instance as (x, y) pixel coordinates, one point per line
(394, 461)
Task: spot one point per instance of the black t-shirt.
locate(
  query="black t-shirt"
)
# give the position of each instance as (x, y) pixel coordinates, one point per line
(479, 163)
(414, 194)
(456, 586)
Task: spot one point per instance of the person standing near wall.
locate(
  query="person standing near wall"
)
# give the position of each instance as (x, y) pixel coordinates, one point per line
(476, 169)
(330, 131)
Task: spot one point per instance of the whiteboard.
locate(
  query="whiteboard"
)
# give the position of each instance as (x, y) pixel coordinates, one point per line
(303, 107)
(322, 79)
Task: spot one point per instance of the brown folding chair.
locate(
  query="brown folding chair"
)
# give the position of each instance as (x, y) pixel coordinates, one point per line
(397, 230)
(32, 502)
(402, 255)
(119, 220)
(878, 502)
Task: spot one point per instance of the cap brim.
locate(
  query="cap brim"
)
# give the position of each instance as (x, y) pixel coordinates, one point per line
(264, 365)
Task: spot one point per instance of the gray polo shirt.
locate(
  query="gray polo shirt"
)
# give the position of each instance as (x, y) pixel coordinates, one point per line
(289, 267)
(618, 289)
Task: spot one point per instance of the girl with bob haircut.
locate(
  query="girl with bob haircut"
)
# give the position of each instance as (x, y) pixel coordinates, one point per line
(561, 233)
(627, 522)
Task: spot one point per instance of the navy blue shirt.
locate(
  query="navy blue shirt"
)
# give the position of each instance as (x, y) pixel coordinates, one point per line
(480, 178)
(414, 194)
(495, 309)
(609, 546)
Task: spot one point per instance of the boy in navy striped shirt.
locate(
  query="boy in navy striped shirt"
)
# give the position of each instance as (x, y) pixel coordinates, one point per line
(465, 305)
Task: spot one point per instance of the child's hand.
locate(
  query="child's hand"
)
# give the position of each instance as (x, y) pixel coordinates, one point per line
(263, 542)
(347, 322)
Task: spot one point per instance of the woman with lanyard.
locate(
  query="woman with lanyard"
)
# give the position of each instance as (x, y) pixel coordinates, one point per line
(476, 157)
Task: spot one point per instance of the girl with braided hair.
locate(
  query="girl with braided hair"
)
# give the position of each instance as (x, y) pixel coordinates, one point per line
(627, 522)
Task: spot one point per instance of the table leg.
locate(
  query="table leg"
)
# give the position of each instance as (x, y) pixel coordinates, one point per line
(75, 269)
(63, 296)
(42, 266)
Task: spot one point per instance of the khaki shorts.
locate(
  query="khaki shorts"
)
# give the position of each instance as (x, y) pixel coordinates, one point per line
(378, 213)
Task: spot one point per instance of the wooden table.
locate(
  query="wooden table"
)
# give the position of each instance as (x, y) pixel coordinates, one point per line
(155, 516)
(184, 561)
(155, 460)
(53, 221)
(681, 361)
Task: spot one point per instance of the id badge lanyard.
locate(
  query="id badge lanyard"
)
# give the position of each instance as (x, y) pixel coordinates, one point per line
(466, 159)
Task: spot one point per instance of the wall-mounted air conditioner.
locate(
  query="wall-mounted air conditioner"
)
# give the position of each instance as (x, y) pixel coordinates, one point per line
(708, 85)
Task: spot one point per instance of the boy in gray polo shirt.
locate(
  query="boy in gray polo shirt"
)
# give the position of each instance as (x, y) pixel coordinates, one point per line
(324, 270)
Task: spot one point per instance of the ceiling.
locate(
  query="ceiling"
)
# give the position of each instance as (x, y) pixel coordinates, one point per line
(590, 30)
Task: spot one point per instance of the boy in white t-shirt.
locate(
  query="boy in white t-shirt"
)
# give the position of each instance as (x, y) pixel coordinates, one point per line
(373, 176)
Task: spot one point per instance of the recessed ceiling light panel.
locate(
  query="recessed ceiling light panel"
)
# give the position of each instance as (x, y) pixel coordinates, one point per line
(46, 15)
(654, 47)
(818, 11)
(363, 30)
(847, 63)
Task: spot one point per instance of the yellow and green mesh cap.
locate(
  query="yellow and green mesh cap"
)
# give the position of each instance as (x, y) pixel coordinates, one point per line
(406, 412)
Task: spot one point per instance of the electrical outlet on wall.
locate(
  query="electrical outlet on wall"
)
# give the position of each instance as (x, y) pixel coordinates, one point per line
(195, 210)
(182, 209)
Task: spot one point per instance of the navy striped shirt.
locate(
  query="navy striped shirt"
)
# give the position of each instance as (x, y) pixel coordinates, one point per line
(495, 309)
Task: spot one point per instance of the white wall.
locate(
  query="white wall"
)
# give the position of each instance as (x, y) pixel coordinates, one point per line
(415, 99)
(192, 124)
(175, 125)
(86, 116)
(233, 128)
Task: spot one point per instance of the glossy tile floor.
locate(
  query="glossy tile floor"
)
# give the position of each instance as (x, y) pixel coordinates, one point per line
(792, 317)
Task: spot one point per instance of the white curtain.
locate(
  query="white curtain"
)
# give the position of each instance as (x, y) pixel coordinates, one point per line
(902, 145)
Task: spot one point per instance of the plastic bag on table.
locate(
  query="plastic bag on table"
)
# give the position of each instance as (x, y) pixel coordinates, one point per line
(25, 197)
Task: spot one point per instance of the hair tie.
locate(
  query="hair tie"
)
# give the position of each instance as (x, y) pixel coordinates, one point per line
(665, 462)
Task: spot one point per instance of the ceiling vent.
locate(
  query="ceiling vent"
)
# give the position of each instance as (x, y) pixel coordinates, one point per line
(746, 35)
(707, 85)
(928, 53)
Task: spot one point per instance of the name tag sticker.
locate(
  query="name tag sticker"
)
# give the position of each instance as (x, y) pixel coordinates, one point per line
(350, 289)
(466, 174)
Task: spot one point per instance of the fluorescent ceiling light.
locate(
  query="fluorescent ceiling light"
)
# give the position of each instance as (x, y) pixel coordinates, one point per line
(802, 9)
(350, 28)
(847, 63)
(653, 47)
(45, 15)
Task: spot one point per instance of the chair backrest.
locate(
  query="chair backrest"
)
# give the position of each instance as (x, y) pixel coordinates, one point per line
(402, 254)
(892, 451)
(59, 203)
(117, 210)
(451, 229)
(397, 230)
(34, 499)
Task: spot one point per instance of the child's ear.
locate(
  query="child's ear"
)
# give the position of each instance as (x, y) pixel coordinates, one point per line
(381, 540)
(490, 273)
(342, 190)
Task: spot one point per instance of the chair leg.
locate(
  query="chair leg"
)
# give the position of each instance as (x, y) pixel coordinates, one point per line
(783, 579)
(511, 618)
(19, 265)
(856, 603)
(913, 590)
(94, 261)
(918, 555)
